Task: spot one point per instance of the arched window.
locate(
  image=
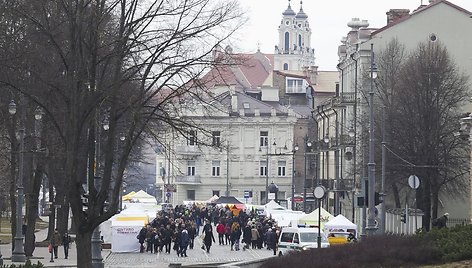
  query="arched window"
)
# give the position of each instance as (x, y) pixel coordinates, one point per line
(287, 41)
(285, 66)
(300, 40)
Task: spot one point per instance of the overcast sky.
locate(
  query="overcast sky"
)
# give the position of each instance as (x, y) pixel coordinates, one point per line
(327, 18)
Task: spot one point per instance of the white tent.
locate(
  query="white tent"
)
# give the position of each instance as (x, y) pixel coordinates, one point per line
(272, 205)
(287, 218)
(312, 218)
(124, 235)
(340, 224)
(143, 197)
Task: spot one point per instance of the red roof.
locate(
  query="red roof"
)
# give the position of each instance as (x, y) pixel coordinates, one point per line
(250, 72)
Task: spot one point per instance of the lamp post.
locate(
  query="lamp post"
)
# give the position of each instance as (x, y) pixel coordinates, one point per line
(307, 147)
(319, 193)
(370, 229)
(295, 149)
(18, 254)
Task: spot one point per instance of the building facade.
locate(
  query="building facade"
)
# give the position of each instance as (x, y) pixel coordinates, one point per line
(348, 109)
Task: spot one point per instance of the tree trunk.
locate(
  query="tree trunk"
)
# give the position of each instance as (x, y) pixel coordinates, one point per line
(83, 242)
(396, 195)
(52, 211)
(32, 213)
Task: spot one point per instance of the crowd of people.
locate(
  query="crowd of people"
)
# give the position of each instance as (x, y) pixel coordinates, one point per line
(178, 228)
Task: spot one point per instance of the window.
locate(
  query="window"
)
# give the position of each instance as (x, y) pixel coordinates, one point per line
(264, 138)
(287, 42)
(192, 138)
(295, 85)
(213, 193)
(263, 168)
(191, 195)
(216, 138)
(286, 237)
(300, 38)
(191, 168)
(215, 168)
(246, 105)
(285, 66)
(281, 168)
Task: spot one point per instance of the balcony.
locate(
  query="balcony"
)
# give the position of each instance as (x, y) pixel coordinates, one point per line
(191, 180)
(188, 150)
(344, 98)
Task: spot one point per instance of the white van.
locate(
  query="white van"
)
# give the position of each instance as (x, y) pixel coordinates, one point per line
(299, 238)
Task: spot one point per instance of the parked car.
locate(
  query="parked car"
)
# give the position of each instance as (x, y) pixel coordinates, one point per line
(300, 238)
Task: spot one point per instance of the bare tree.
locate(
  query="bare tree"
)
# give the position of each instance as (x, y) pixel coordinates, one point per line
(126, 61)
(424, 99)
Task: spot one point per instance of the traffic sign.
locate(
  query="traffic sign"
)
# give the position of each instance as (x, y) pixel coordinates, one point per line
(414, 182)
(246, 194)
(168, 194)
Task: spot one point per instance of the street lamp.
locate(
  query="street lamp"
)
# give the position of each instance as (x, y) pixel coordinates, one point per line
(295, 149)
(319, 193)
(307, 147)
(18, 254)
(371, 228)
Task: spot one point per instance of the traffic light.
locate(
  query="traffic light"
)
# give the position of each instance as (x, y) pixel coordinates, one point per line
(377, 200)
(403, 217)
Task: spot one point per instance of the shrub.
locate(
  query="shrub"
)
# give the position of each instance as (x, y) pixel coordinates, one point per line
(453, 244)
(376, 251)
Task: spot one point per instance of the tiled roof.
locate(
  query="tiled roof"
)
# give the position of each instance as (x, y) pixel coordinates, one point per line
(251, 73)
(419, 10)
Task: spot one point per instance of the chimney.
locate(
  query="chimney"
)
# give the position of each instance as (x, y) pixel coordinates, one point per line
(396, 14)
(234, 100)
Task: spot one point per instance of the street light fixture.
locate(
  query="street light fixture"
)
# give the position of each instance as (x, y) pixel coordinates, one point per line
(326, 138)
(371, 228)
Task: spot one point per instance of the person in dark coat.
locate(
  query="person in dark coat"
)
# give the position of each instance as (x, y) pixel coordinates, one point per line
(247, 236)
(272, 240)
(167, 238)
(209, 238)
(184, 240)
(235, 235)
(142, 238)
(441, 222)
(192, 232)
(66, 243)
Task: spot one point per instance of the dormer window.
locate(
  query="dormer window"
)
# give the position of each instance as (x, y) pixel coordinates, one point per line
(295, 85)
(246, 105)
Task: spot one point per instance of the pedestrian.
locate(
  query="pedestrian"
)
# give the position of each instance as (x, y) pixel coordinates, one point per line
(184, 241)
(440, 222)
(235, 235)
(208, 238)
(254, 237)
(228, 233)
(192, 232)
(272, 240)
(142, 238)
(246, 236)
(220, 229)
(167, 238)
(66, 240)
(55, 242)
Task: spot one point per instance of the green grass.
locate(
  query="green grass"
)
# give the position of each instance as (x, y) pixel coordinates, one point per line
(5, 230)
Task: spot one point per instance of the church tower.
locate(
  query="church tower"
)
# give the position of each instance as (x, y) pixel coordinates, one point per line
(294, 51)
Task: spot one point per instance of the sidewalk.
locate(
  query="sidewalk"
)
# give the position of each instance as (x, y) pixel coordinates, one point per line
(42, 254)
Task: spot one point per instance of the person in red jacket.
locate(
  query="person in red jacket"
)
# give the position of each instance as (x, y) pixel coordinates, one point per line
(220, 229)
